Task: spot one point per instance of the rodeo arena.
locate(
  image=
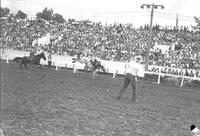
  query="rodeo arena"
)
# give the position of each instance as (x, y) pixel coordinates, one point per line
(67, 79)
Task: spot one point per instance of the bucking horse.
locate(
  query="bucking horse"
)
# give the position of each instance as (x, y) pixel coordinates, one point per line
(90, 64)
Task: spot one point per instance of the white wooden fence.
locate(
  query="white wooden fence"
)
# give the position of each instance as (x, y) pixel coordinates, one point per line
(111, 66)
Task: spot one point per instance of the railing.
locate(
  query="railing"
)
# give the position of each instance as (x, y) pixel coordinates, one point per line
(111, 66)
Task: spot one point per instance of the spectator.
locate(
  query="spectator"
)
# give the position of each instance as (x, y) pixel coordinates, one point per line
(191, 73)
(49, 60)
(186, 73)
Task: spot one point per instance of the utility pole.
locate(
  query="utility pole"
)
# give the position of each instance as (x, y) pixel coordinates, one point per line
(149, 44)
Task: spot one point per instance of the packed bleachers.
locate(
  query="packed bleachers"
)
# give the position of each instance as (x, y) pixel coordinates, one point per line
(116, 42)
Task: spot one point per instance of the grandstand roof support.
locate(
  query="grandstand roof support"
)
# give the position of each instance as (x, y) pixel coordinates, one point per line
(149, 44)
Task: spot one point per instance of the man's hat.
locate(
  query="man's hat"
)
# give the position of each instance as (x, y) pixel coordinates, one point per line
(138, 58)
(194, 129)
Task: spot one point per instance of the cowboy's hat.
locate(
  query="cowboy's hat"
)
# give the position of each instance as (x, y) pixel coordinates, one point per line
(195, 130)
(138, 58)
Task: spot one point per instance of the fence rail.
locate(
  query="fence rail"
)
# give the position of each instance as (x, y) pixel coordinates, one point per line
(111, 66)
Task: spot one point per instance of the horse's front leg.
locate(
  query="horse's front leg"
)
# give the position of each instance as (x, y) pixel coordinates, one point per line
(40, 66)
(21, 65)
(25, 66)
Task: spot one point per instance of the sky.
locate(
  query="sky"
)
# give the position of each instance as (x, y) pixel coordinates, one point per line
(110, 11)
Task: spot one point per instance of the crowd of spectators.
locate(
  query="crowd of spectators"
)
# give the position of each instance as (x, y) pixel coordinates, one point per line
(117, 42)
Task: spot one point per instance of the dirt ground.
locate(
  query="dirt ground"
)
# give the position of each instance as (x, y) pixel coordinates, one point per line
(59, 103)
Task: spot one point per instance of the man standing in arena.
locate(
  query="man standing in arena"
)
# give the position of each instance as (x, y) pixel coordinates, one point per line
(132, 72)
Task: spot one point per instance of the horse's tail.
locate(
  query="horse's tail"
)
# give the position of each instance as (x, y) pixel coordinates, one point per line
(17, 59)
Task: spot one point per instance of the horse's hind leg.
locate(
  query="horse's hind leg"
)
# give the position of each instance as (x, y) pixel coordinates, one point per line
(37, 66)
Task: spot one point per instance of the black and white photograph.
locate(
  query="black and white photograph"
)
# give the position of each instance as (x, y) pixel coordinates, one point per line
(100, 68)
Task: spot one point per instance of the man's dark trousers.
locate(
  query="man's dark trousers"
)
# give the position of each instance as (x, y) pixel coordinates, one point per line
(49, 64)
(128, 78)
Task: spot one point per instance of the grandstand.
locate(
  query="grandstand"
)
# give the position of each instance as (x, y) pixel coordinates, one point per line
(107, 42)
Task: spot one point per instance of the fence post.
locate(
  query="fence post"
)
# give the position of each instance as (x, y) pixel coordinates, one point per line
(125, 69)
(56, 67)
(114, 74)
(7, 60)
(159, 75)
(74, 68)
(182, 81)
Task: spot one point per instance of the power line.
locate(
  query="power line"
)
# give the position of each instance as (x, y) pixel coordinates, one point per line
(121, 16)
(31, 2)
(173, 18)
(170, 14)
(139, 12)
(157, 14)
(178, 4)
(120, 12)
(28, 2)
(124, 15)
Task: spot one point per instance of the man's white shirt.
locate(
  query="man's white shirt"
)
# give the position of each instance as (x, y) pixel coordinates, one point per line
(135, 69)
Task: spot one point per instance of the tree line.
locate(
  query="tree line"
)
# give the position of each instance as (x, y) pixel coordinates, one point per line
(46, 14)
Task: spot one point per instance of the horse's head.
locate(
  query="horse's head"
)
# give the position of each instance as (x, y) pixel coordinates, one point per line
(43, 56)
